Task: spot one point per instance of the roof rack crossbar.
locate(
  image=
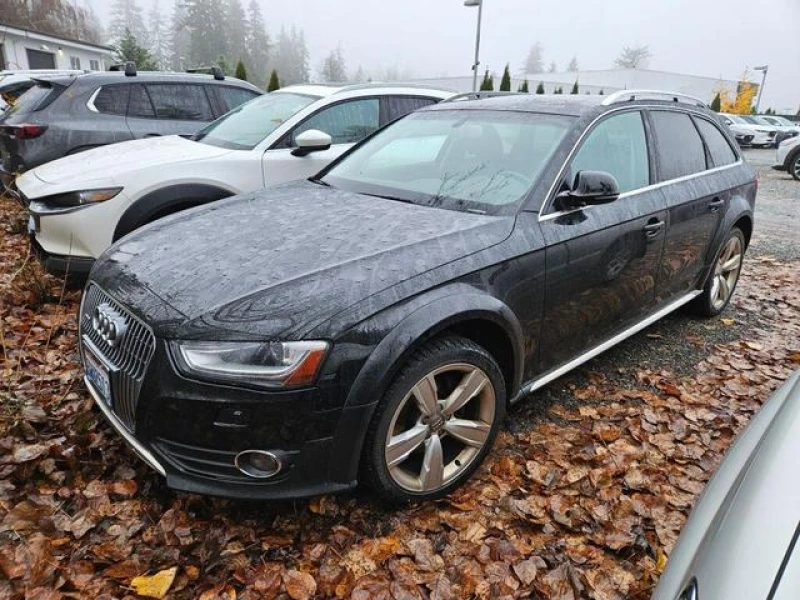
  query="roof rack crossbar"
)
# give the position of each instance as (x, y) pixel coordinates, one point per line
(631, 95)
(481, 95)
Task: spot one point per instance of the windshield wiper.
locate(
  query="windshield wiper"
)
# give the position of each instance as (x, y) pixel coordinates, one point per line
(319, 182)
(394, 198)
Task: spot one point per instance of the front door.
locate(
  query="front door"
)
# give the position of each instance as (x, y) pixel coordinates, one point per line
(602, 261)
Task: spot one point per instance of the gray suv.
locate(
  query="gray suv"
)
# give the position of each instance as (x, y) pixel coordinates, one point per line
(69, 114)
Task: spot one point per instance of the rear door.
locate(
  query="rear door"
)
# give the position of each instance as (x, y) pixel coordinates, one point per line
(602, 261)
(157, 109)
(695, 200)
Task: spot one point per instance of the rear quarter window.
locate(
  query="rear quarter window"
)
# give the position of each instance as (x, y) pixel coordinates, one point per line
(679, 148)
(721, 152)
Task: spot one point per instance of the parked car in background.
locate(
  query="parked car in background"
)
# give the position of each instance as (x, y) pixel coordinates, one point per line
(65, 115)
(375, 322)
(788, 157)
(786, 129)
(763, 136)
(286, 135)
(743, 135)
(741, 540)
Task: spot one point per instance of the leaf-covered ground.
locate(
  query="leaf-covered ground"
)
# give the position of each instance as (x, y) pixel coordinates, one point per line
(583, 499)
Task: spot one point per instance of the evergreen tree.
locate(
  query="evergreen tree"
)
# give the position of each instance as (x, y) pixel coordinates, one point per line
(206, 23)
(534, 64)
(236, 31)
(274, 82)
(179, 48)
(129, 49)
(159, 36)
(573, 65)
(559, 90)
(333, 69)
(524, 88)
(241, 71)
(575, 88)
(126, 15)
(540, 88)
(716, 103)
(602, 93)
(553, 68)
(222, 63)
(257, 40)
(505, 82)
(488, 82)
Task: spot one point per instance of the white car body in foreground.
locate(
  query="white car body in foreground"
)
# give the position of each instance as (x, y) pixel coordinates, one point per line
(761, 134)
(787, 158)
(741, 540)
(141, 168)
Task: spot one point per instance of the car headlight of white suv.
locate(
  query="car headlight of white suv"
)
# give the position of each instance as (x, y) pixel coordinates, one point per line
(69, 201)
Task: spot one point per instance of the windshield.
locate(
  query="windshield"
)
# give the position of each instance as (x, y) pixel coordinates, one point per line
(246, 126)
(477, 161)
(737, 119)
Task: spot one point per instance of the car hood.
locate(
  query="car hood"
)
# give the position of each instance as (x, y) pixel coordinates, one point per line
(736, 549)
(116, 161)
(267, 263)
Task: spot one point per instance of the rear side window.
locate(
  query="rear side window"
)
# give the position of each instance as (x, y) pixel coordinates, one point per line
(112, 100)
(679, 148)
(721, 152)
(347, 123)
(618, 145)
(400, 106)
(140, 105)
(233, 97)
(180, 102)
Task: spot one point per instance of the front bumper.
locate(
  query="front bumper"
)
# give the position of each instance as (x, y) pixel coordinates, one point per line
(75, 267)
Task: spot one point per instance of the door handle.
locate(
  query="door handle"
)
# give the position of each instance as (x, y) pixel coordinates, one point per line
(716, 204)
(653, 229)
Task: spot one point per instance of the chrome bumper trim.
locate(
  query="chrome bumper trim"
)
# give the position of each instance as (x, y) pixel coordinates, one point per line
(140, 450)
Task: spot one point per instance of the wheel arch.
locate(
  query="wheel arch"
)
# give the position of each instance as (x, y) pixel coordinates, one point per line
(165, 201)
(476, 316)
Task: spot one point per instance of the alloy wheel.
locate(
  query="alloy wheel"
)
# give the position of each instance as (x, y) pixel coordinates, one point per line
(796, 168)
(440, 427)
(726, 272)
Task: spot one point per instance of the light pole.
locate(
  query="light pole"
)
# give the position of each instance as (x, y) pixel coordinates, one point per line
(763, 69)
(479, 4)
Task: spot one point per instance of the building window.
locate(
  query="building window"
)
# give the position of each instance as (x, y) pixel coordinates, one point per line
(94, 65)
(2, 57)
(74, 62)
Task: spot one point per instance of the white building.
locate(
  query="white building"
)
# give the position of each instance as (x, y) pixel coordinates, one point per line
(22, 50)
(607, 81)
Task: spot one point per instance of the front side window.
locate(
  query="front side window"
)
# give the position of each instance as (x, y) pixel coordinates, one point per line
(346, 123)
(180, 102)
(400, 106)
(233, 97)
(248, 125)
(678, 145)
(618, 146)
(470, 161)
(721, 152)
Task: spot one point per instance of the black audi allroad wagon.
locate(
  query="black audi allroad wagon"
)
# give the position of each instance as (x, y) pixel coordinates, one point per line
(374, 323)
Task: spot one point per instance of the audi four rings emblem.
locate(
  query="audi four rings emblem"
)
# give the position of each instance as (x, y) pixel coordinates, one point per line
(109, 324)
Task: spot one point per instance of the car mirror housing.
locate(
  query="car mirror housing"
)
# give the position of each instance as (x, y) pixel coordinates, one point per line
(310, 141)
(589, 188)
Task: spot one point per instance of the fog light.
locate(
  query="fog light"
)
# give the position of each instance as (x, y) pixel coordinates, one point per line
(258, 464)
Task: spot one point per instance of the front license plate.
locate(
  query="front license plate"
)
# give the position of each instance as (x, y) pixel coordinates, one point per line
(97, 375)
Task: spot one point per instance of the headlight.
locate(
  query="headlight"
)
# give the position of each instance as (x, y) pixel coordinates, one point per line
(69, 201)
(273, 364)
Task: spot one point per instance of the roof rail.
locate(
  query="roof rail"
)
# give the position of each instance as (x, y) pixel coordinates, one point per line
(481, 95)
(375, 84)
(214, 70)
(631, 95)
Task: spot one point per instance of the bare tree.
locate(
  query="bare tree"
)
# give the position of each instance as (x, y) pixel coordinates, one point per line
(634, 57)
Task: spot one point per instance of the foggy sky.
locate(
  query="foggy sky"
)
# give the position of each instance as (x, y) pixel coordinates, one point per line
(436, 37)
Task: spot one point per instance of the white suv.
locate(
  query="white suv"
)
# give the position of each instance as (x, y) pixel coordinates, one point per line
(788, 157)
(763, 136)
(81, 204)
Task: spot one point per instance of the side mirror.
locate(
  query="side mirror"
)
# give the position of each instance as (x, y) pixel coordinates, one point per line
(590, 187)
(310, 141)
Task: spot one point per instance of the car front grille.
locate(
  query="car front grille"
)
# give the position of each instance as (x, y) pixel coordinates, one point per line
(128, 359)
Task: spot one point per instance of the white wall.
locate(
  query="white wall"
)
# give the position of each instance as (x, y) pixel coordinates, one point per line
(15, 44)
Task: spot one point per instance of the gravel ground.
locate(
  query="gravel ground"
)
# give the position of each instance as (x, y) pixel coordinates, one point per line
(679, 341)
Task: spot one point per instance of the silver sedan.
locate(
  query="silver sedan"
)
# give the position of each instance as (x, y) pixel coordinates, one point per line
(741, 540)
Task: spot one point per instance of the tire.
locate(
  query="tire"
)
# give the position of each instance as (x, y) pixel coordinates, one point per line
(794, 166)
(721, 284)
(430, 459)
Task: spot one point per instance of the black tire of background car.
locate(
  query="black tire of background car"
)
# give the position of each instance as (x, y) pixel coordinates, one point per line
(438, 352)
(703, 305)
(794, 165)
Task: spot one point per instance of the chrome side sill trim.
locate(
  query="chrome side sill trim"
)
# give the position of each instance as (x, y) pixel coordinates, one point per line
(544, 380)
(140, 450)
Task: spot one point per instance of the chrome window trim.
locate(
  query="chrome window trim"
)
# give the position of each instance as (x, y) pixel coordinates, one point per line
(640, 107)
(535, 384)
(90, 104)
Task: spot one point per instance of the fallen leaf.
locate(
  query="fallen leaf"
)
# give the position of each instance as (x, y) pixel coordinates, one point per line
(154, 586)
